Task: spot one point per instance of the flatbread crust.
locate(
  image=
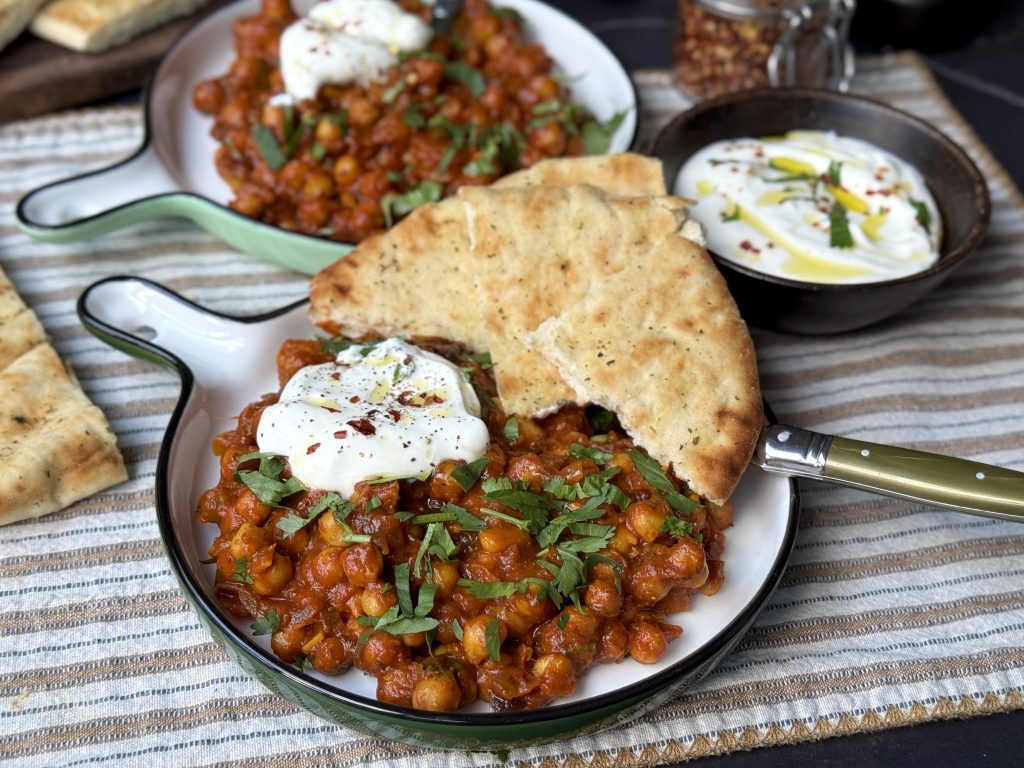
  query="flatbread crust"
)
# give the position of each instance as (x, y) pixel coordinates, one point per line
(416, 279)
(92, 26)
(663, 346)
(55, 446)
(14, 17)
(537, 251)
(20, 329)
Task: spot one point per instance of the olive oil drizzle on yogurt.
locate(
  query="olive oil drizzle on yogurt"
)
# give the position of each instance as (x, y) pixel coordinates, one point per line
(813, 206)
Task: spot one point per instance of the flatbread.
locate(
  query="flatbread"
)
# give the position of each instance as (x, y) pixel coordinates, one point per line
(537, 251)
(626, 174)
(55, 446)
(416, 278)
(96, 25)
(663, 346)
(20, 329)
(14, 17)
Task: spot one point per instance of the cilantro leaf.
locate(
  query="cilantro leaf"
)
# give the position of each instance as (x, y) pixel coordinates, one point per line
(533, 506)
(462, 73)
(402, 589)
(656, 478)
(597, 137)
(267, 144)
(241, 572)
(266, 625)
(673, 526)
(511, 429)
(467, 521)
(581, 451)
(834, 171)
(466, 475)
(839, 227)
(492, 639)
(733, 215)
(398, 205)
(437, 542)
(924, 216)
(267, 488)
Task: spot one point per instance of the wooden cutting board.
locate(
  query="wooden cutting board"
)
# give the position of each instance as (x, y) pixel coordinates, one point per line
(38, 77)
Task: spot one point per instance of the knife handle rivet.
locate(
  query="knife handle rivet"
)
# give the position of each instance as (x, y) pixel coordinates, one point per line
(865, 452)
(783, 437)
(980, 475)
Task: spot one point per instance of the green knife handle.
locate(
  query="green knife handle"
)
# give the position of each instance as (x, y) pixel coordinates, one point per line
(942, 481)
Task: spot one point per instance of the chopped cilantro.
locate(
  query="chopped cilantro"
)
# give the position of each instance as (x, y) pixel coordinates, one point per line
(467, 474)
(483, 359)
(839, 227)
(241, 572)
(266, 625)
(563, 619)
(462, 73)
(437, 542)
(834, 170)
(412, 116)
(492, 639)
(511, 429)
(318, 151)
(597, 137)
(581, 451)
(924, 216)
(267, 144)
(733, 215)
(467, 521)
(457, 630)
(265, 482)
(658, 480)
(391, 93)
(398, 205)
(533, 506)
(675, 527)
(446, 159)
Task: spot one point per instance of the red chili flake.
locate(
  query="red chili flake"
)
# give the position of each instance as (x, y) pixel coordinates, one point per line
(407, 359)
(405, 398)
(354, 399)
(746, 245)
(336, 375)
(312, 448)
(394, 414)
(331, 410)
(362, 426)
(341, 434)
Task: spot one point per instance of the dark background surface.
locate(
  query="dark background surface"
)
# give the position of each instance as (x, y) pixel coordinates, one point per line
(975, 48)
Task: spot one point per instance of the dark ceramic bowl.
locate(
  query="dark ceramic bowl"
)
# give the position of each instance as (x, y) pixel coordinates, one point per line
(797, 306)
(224, 363)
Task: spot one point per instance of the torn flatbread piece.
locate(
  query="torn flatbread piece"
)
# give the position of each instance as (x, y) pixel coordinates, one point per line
(15, 15)
(536, 251)
(663, 346)
(56, 447)
(20, 329)
(416, 279)
(92, 26)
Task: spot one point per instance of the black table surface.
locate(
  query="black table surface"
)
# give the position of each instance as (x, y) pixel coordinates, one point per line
(983, 76)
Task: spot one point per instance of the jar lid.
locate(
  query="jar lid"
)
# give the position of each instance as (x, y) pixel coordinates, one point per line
(763, 9)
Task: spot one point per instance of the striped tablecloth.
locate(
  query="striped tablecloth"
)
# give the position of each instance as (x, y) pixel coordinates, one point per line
(890, 613)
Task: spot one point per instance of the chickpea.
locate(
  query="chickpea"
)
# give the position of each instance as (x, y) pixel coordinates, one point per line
(251, 509)
(329, 656)
(622, 461)
(436, 693)
(549, 139)
(273, 579)
(721, 514)
(362, 112)
(501, 537)
(623, 540)
(248, 204)
(688, 563)
(293, 174)
(318, 184)
(445, 576)
(612, 642)
(474, 637)
(442, 485)
(382, 651)
(326, 569)
(287, 642)
(247, 539)
(716, 577)
(233, 114)
(330, 531)
(647, 642)
(646, 517)
(327, 132)
(556, 673)
(363, 564)
(529, 468)
(208, 97)
(346, 170)
(603, 599)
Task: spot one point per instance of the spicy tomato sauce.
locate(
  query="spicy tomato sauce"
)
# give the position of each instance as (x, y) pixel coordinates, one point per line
(476, 104)
(503, 579)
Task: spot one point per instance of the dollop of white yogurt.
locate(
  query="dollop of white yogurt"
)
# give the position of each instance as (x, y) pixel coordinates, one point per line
(779, 204)
(380, 411)
(346, 41)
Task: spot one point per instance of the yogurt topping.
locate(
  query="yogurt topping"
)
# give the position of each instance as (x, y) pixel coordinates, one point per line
(813, 206)
(381, 411)
(345, 41)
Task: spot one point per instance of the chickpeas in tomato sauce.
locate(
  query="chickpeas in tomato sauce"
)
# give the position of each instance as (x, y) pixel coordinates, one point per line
(502, 579)
(474, 105)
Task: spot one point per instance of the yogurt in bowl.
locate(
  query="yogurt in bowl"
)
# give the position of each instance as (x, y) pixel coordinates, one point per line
(813, 206)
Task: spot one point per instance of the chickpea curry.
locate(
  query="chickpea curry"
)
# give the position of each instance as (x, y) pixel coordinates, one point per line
(471, 106)
(502, 579)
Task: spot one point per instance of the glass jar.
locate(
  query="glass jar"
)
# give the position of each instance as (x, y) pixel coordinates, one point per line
(730, 45)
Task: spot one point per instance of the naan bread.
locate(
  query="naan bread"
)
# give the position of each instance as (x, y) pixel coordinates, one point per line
(14, 17)
(536, 251)
(663, 346)
(92, 26)
(416, 279)
(55, 446)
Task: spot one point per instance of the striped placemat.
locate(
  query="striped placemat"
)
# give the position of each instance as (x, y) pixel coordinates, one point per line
(890, 613)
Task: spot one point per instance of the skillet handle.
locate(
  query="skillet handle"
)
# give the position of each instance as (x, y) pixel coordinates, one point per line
(941, 481)
(95, 203)
(155, 324)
